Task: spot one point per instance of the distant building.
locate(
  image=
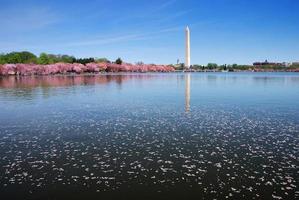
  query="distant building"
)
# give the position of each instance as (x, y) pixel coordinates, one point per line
(287, 64)
(257, 64)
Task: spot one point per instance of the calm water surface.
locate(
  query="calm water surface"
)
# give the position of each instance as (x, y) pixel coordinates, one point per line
(145, 136)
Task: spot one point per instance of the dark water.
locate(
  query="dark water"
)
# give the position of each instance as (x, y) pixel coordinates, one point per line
(150, 136)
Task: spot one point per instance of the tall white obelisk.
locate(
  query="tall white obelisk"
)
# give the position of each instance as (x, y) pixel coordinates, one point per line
(187, 61)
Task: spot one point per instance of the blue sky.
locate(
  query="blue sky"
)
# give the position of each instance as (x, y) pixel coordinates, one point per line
(222, 31)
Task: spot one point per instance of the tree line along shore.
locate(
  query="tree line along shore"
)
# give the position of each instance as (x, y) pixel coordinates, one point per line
(213, 67)
(27, 63)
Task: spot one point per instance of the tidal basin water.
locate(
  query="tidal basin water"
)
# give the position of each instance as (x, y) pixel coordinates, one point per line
(150, 136)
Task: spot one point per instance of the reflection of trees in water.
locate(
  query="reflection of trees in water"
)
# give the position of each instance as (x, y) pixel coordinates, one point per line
(30, 85)
(12, 84)
(255, 78)
(264, 80)
(58, 81)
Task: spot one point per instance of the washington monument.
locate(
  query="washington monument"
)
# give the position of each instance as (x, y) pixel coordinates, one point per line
(187, 61)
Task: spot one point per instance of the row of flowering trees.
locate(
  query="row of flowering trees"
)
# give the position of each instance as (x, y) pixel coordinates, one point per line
(64, 68)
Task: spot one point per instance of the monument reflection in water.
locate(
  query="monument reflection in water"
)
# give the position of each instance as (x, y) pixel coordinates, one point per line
(128, 135)
(187, 92)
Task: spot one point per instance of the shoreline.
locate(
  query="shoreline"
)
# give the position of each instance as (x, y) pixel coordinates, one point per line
(77, 68)
(73, 69)
(71, 74)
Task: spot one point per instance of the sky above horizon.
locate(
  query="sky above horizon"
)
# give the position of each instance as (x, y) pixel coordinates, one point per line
(222, 31)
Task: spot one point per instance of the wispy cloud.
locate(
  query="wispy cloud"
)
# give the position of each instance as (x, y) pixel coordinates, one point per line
(147, 15)
(123, 38)
(165, 5)
(29, 18)
(105, 40)
(173, 16)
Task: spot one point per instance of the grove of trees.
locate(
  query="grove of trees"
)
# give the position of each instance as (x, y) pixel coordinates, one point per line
(26, 57)
(118, 61)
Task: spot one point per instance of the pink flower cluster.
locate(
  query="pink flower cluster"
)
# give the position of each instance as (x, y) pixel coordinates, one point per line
(63, 68)
(127, 67)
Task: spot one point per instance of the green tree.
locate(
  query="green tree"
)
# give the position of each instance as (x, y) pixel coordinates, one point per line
(294, 65)
(27, 57)
(212, 65)
(102, 60)
(196, 67)
(67, 59)
(118, 61)
(223, 67)
(2, 59)
(18, 57)
(43, 59)
(54, 58)
(84, 60)
(13, 57)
